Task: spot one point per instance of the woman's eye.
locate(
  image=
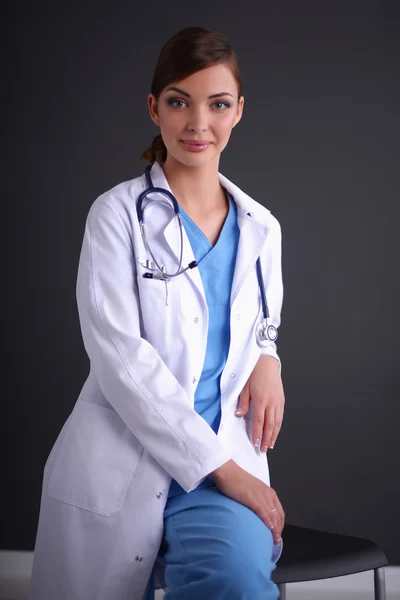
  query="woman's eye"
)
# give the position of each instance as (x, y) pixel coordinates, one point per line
(224, 104)
(173, 101)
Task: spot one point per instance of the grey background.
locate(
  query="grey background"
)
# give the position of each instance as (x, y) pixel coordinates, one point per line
(318, 145)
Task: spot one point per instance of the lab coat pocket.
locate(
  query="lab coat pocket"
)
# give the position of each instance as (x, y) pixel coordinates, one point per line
(96, 461)
(159, 305)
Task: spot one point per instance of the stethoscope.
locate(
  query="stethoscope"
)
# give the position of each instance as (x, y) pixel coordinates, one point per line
(264, 333)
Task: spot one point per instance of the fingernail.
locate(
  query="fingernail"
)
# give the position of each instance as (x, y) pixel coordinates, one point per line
(264, 449)
(239, 411)
(272, 444)
(256, 442)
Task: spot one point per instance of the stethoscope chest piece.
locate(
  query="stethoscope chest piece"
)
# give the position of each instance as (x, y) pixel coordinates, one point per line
(266, 333)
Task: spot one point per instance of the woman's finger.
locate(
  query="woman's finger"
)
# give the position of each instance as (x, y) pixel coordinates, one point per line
(244, 402)
(277, 426)
(269, 427)
(258, 424)
(276, 523)
(279, 510)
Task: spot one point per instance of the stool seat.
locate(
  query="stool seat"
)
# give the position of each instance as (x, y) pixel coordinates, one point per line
(310, 554)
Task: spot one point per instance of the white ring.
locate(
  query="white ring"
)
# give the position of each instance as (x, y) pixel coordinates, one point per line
(272, 509)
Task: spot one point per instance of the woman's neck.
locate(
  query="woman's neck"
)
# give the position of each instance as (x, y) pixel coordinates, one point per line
(197, 189)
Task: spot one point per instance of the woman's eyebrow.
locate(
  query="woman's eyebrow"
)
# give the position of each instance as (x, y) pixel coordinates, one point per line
(175, 89)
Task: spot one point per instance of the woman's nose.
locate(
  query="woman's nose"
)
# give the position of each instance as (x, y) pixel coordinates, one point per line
(198, 120)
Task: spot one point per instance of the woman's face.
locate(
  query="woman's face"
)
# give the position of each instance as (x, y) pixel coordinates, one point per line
(201, 107)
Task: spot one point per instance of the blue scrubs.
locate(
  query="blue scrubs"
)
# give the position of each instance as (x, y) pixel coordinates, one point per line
(215, 547)
(216, 265)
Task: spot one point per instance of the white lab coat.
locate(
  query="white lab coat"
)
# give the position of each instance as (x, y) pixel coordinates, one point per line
(134, 426)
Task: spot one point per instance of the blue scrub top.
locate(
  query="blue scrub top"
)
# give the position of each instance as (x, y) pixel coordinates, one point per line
(217, 266)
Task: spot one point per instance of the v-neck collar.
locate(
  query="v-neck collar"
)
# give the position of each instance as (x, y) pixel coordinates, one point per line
(200, 233)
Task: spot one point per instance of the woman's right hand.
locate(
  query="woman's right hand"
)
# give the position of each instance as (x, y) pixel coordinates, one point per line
(238, 484)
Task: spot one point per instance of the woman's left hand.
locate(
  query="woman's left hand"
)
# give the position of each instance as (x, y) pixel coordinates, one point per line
(265, 390)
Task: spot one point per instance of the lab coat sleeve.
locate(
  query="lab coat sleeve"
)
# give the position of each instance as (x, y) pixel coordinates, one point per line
(130, 372)
(272, 274)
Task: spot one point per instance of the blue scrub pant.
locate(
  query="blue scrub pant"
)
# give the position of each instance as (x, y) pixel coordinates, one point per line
(216, 548)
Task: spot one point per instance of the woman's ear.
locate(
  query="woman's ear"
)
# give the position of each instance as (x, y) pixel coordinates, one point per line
(153, 108)
(239, 111)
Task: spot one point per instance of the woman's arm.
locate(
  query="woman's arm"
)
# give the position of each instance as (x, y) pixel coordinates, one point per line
(264, 387)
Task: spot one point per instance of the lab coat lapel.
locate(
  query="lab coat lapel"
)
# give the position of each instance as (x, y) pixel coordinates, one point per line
(252, 238)
(253, 234)
(172, 235)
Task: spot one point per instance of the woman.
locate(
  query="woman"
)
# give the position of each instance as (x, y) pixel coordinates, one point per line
(154, 479)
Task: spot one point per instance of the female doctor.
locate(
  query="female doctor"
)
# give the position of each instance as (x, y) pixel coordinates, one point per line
(156, 479)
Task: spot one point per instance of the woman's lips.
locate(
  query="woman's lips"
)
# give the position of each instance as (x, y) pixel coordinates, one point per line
(195, 147)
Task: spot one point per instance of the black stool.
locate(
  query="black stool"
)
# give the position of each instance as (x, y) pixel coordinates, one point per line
(309, 554)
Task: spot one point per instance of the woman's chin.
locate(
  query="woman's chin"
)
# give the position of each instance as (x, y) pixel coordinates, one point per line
(194, 159)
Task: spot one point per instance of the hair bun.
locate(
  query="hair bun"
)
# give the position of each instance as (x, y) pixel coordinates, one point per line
(156, 152)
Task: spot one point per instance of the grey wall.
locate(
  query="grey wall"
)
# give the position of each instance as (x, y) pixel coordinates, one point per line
(318, 144)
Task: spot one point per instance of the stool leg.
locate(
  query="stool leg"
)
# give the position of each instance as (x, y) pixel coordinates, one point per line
(282, 591)
(379, 584)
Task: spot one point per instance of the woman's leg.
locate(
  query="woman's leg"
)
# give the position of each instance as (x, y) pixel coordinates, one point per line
(216, 549)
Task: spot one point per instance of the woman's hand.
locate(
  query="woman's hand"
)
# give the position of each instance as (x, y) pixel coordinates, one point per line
(265, 390)
(235, 482)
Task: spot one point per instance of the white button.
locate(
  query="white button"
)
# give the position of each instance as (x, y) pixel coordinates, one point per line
(238, 317)
(232, 375)
(159, 495)
(194, 379)
(139, 558)
(196, 319)
(222, 427)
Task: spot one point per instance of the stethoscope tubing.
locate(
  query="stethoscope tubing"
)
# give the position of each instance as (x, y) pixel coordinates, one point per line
(262, 289)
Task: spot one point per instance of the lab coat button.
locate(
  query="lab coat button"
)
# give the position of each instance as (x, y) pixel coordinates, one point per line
(238, 317)
(159, 495)
(194, 379)
(196, 319)
(232, 375)
(139, 558)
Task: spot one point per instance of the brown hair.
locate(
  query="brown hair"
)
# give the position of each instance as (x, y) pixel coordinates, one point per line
(187, 51)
